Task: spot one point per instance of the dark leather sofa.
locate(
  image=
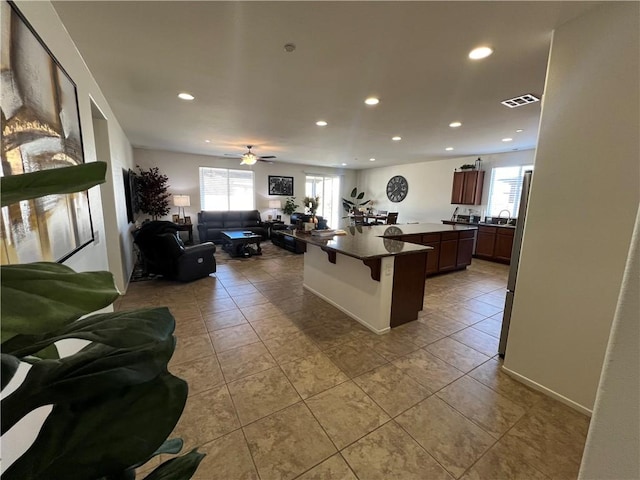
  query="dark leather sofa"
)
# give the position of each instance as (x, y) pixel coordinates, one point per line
(163, 253)
(211, 223)
(290, 243)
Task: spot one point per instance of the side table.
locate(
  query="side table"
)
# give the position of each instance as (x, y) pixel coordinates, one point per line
(269, 224)
(186, 227)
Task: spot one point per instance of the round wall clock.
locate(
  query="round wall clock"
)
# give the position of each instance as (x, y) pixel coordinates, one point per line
(397, 188)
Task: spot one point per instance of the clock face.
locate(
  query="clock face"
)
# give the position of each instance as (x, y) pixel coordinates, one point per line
(397, 188)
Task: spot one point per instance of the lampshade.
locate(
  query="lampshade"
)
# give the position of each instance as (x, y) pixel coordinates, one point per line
(248, 159)
(182, 200)
(275, 204)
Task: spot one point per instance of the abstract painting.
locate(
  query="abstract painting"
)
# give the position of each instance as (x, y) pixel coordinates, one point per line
(40, 130)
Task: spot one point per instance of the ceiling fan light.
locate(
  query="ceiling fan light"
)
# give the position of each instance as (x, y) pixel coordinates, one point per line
(249, 159)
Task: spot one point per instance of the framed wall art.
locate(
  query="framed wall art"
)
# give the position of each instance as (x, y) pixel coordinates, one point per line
(280, 185)
(40, 130)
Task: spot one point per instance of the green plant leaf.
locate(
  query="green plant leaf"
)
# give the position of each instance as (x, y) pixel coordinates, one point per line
(41, 297)
(94, 439)
(173, 445)
(354, 192)
(117, 329)
(179, 468)
(361, 196)
(10, 365)
(49, 352)
(14, 188)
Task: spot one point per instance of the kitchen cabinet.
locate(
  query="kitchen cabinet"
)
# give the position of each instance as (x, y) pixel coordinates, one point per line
(504, 245)
(495, 243)
(452, 250)
(467, 187)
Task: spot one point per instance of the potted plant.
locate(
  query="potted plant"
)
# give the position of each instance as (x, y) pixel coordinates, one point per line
(153, 197)
(355, 202)
(114, 403)
(289, 206)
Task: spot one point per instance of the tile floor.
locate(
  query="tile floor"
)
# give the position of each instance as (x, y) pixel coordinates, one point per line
(283, 385)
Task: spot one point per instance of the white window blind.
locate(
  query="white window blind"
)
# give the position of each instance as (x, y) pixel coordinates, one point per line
(506, 186)
(225, 189)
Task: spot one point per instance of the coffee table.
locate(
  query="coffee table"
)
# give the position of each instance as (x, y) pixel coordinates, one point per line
(238, 243)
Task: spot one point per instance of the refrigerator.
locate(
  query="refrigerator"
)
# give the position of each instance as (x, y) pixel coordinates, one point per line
(515, 261)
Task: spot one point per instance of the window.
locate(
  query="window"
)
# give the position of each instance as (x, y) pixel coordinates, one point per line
(328, 189)
(225, 189)
(504, 193)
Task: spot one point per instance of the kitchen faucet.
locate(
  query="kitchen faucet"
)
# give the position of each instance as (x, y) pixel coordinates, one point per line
(508, 213)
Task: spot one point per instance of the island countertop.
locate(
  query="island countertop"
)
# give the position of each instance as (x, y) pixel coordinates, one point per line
(367, 242)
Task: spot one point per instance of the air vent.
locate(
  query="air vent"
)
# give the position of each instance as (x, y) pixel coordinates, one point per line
(520, 101)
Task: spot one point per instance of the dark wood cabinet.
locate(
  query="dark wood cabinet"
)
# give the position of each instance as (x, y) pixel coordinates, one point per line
(486, 242)
(467, 187)
(465, 249)
(504, 244)
(448, 255)
(495, 243)
(433, 257)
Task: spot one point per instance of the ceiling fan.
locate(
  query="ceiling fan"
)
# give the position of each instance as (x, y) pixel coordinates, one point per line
(250, 158)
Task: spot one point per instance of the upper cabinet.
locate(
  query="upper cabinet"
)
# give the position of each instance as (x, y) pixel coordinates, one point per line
(467, 187)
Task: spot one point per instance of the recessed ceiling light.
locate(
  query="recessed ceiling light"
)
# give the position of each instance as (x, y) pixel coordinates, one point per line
(519, 130)
(344, 164)
(372, 101)
(207, 141)
(396, 138)
(372, 159)
(455, 124)
(508, 139)
(321, 123)
(186, 96)
(448, 149)
(480, 52)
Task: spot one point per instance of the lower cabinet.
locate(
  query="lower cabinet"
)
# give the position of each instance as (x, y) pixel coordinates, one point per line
(495, 243)
(451, 250)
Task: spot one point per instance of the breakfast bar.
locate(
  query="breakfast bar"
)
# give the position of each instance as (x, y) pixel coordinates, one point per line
(370, 273)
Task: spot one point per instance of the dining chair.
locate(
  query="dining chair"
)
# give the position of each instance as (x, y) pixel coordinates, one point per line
(358, 218)
(392, 218)
(380, 212)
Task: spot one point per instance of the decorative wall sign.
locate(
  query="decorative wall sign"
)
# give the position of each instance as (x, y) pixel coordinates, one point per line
(280, 185)
(40, 130)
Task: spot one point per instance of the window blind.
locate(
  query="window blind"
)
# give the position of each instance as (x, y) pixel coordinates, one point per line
(506, 186)
(225, 189)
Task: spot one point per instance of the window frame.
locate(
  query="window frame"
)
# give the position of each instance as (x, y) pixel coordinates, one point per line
(229, 188)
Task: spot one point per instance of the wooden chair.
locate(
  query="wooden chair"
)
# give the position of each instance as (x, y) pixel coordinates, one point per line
(380, 212)
(358, 218)
(392, 218)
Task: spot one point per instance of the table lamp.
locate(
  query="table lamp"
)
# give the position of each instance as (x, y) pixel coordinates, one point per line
(275, 204)
(181, 201)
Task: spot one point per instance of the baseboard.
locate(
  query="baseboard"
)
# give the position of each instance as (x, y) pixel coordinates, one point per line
(347, 312)
(548, 392)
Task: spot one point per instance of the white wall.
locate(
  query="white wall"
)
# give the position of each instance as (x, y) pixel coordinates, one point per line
(430, 183)
(45, 21)
(183, 173)
(613, 442)
(584, 197)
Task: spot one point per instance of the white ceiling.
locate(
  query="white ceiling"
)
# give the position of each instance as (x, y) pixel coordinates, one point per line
(231, 57)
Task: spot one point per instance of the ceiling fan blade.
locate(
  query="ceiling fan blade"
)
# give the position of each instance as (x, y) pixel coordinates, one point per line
(267, 156)
(237, 155)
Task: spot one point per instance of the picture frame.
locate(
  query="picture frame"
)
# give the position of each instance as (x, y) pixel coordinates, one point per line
(175, 218)
(279, 218)
(279, 185)
(187, 220)
(41, 130)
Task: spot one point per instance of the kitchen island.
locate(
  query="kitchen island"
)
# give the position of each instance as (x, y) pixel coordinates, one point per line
(369, 273)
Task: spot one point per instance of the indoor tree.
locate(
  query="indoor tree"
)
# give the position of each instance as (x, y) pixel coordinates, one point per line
(153, 197)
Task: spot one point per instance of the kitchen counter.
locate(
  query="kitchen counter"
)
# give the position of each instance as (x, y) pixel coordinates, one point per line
(483, 224)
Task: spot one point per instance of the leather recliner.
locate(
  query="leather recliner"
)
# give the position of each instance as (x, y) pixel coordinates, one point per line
(163, 253)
